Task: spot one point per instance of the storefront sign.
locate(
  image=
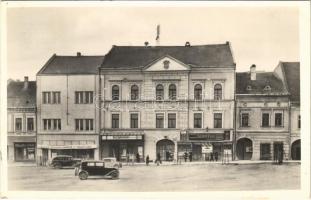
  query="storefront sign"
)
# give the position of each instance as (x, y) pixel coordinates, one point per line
(207, 148)
(206, 136)
(91, 146)
(122, 137)
(227, 151)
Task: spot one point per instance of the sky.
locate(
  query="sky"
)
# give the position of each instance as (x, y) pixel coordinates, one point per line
(258, 35)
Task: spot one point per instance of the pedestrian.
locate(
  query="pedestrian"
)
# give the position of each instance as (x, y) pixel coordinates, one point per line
(216, 156)
(185, 156)
(190, 156)
(147, 160)
(127, 158)
(212, 156)
(158, 159)
(137, 158)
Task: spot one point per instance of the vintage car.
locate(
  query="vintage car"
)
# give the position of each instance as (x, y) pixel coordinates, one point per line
(112, 162)
(64, 161)
(96, 169)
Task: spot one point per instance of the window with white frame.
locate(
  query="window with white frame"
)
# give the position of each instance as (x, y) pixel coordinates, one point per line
(159, 92)
(84, 124)
(172, 92)
(134, 92)
(134, 120)
(198, 92)
(115, 120)
(244, 119)
(49, 97)
(278, 119)
(84, 97)
(265, 120)
(217, 120)
(159, 120)
(197, 120)
(115, 92)
(217, 92)
(52, 124)
(30, 124)
(18, 124)
(171, 120)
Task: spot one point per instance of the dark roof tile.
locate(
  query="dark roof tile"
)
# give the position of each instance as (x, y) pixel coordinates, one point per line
(292, 78)
(19, 97)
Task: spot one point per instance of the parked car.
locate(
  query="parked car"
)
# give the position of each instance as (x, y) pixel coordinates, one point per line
(97, 169)
(66, 161)
(112, 162)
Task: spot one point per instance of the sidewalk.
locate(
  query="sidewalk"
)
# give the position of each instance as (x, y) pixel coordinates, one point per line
(22, 164)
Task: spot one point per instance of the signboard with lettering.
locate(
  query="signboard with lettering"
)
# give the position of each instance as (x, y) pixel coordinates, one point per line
(227, 151)
(207, 148)
(206, 136)
(122, 137)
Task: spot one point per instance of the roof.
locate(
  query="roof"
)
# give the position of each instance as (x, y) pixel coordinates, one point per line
(218, 55)
(292, 78)
(244, 85)
(18, 97)
(72, 65)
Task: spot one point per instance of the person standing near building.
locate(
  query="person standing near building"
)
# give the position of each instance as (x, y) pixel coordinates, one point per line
(190, 156)
(185, 156)
(137, 158)
(147, 160)
(158, 161)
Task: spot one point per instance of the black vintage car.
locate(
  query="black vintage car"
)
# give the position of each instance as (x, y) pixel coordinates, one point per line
(64, 161)
(95, 168)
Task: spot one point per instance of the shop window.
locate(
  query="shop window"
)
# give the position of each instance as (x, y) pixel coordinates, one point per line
(265, 120)
(56, 97)
(115, 121)
(198, 92)
(30, 124)
(217, 92)
(134, 92)
(159, 120)
(299, 121)
(197, 120)
(115, 92)
(217, 120)
(85, 97)
(172, 92)
(159, 92)
(278, 118)
(18, 124)
(171, 120)
(134, 120)
(245, 120)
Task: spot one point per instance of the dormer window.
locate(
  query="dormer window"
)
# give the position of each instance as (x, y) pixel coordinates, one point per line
(249, 88)
(166, 64)
(267, 87)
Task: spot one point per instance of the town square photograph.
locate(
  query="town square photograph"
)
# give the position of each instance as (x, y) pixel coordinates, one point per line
(154, 97)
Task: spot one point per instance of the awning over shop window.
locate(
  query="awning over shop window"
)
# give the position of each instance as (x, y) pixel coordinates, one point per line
(123, 136)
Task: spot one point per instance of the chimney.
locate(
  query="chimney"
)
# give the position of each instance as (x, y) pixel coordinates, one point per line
(78, 54)
(253, 72)
(26, 82)
(146, 43)
(187, 44)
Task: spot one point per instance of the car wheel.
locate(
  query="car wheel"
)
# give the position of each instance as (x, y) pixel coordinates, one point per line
(57, 166)
(83, 175)
(115, 175)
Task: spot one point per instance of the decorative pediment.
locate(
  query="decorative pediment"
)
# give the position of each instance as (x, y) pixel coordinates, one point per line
(166, 63)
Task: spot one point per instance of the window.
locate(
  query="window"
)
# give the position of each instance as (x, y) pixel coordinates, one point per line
(197, 120)
(134, 92)
(299, 121)
(52, 124)
(89, 124)
(217, 120)
(56, 97)
(171, 120)
(79, 124)
(46, 97)
(134, 120)
(84, 124)
(217, 92)
(198, 92)
(265, 119)
(172, 92)
(244, 119)
(159, 120)
(84, 97)
(115, 93)
(30, 124)
(115, 121)
(18, 124)
(278, 118)
(159, 92)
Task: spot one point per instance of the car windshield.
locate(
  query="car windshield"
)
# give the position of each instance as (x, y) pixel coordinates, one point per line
(108, 160)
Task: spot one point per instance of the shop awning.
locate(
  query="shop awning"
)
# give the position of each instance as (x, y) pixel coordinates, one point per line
(123, 136)
(86, 146)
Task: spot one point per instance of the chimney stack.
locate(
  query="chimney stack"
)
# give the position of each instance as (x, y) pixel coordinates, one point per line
(146, 43)
(26, 82)
(78, 54)
(187, 44)
(253, 72)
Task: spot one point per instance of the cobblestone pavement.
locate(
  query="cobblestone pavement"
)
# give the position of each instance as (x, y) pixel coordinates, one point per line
(138, 178)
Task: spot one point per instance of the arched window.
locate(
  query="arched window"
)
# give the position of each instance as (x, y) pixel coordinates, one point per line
(198, 92)
(217, 92)
(172, 92)
(159, 92)
(134, 92)
(115, 93)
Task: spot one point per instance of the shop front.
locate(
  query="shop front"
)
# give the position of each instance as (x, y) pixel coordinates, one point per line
(123, 146)
(206, 146)
(24, 151)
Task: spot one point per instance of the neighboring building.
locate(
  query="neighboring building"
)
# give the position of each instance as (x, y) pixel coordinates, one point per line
(21, 108)
(67, 113)
(167, 99)
(289, 72)
(262, 116)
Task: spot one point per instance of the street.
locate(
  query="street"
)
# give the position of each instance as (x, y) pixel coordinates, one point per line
(141, 178)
